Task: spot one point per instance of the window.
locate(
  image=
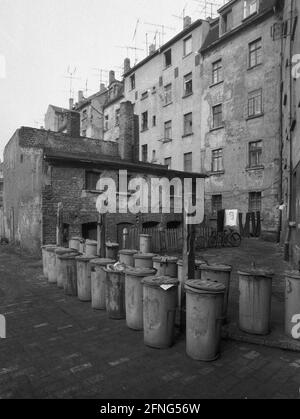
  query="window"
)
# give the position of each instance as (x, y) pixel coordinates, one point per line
(227, 22)
(91, 180)
(89, 231)
(217, 72)
(217, 160)
(188, 84)
(117, 116)
(144, 95)
(168, 94)
(132, 82)
(255, 103)
(188, 163)
(217, 116)
(255, 153)
(106, 127)
(250, 7)
(168, 130)
(255, 202)
(144, 121)
(84, 115)
(168, 162)
(153, 156)
(154, 120)
(255, 53)
(187, 46)
(176, 72)
(168, 58)
(188, 124)
(144, 153)
(216, 204)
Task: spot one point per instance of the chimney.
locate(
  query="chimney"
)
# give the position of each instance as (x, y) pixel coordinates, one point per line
(102, 87)
(127, 66)
(152, 49)
(71, 103)
(80, 96)
(111, 76)
(187, 21)
(73, 124)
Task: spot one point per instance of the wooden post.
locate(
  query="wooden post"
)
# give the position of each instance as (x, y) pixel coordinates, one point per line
(101, 236)
(59, 225)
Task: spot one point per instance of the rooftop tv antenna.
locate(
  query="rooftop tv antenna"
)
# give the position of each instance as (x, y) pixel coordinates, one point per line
(131, 48)
(209, 8)
(101, 74)
(86, 89)
(162, 27)
(182, 15)
(71, 77)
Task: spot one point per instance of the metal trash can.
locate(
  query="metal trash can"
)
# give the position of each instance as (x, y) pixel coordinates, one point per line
(98, 282)
(82, 246)
(111, 250)
(59, 264)
(165, 265)
(219, 273)
(198, 264)
(255, 286)
(134, 296)
(145, 243)
(160, 295)
(45, 258)
(126, 256)
(69, 269)
(84, 278)
(51, 264)
(292, 302)
(74, 243)
(115, 293)
(91, 248)
(144, 260)
(204, 317)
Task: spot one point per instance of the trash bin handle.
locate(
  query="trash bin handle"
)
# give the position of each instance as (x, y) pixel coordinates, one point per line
(289, 287)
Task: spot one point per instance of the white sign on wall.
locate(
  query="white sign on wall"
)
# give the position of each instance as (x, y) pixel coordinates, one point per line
(2, 327)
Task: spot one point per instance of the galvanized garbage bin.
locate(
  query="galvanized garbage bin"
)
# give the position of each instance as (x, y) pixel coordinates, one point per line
(134, 296)
(145, 243)
(126, 256)
(204, 317)
(255, 286)
(82, 246)
(45, 258)
(91, 248)
(219, 273)
(160, 295)
(198, 264)
(115, 293)
(165, 265)
(292, 303)
(59, 264)
(51, 264)
(98, 282)
(68, 266)
(84, 278)
(112, 250)
(74, 243)
(144, 260)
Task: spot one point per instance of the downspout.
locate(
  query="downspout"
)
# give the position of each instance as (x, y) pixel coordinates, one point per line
(281, 140)
(288, 241)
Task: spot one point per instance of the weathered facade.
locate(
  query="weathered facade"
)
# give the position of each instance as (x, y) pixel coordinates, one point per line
(2, 234)
(111, 110)
(289, 33)
(240, 112)
(56, 118)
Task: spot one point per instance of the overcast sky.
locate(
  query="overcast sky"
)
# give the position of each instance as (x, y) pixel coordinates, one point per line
(40, 39)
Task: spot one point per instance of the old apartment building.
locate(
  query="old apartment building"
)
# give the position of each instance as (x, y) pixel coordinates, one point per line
(240, 111)
(289, 34)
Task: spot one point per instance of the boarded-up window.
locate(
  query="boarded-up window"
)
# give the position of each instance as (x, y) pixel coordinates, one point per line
(255, 202)
(91, 180)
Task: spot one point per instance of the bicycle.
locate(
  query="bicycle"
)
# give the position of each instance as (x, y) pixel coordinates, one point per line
(227, 238)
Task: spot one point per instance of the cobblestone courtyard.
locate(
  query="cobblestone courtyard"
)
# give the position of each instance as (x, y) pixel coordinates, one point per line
(58, 347)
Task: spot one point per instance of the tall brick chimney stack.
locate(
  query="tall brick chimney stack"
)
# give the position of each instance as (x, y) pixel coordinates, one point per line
(187, 21)
(71, 103)
(80, 96)
(73, 124)
(112, 77)
(102, 87)
(129, 133)
(152, 49)
(127, 66)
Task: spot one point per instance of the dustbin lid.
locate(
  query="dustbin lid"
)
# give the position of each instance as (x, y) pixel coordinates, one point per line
(53, 249)
(63, 251)
(84, 258)
(197, 285)
(165, 259)
(158, 281)
(91, 242)
(215, 267)
(144, 256)
(76, 238)
(199, 262)
(140, 272)
(293, 274)
(48, 246)
(128, 252)
(110, 244)
(69, 256)
(102, 262)
(257, 273)
(146, 236)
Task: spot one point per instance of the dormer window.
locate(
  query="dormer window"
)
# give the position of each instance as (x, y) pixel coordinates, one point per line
(227, 22)
(250, 7)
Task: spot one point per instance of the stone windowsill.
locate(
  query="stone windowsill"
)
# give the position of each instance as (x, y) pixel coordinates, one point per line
(254, 116)
(187, 95)
(168, 104)
(144, 130)
(253, 168)
(254, 66)
(216, 84)
(218, 173)
(217, 128)
(188, 135)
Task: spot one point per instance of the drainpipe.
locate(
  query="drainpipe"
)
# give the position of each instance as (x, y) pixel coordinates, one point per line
(288, 241)
(281, 140)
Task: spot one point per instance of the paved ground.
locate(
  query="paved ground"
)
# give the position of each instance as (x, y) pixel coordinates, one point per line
(58, 347)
